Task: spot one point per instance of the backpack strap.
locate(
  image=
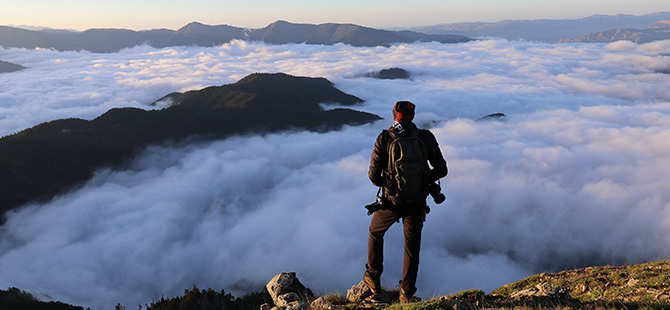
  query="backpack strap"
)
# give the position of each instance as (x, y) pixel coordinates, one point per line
(395, 137)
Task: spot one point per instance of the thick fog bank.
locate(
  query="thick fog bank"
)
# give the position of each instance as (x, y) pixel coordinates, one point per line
(576, 175)
(450, 80)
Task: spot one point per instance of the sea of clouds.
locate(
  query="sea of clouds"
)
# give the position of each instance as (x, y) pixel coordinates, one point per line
(577, 174)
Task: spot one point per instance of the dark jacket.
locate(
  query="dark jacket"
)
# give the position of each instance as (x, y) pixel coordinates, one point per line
(380, 156)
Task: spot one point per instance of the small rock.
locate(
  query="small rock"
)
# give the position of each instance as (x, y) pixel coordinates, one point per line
(548, 289)
(542, 290)
(581, 288)
(376, 301)
(529, 292)
(297, 305)
(321, 303)
(359, 292)
(285, 288)
(286, 299)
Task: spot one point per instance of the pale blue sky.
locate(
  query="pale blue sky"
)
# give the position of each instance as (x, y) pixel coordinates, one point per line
(172, 14)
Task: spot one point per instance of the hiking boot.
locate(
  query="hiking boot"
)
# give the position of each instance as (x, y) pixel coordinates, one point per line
(406, 298)
(372, 282)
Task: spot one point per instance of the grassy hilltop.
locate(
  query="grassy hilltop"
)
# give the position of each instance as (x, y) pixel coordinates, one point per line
(642, 286)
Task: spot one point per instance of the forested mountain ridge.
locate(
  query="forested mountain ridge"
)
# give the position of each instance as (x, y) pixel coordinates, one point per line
(44, 160)
(197, 34)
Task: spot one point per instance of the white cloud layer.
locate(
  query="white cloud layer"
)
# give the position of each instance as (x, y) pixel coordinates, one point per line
(577, 174)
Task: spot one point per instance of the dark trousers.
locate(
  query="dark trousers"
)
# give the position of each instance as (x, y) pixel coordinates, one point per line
(412, 220)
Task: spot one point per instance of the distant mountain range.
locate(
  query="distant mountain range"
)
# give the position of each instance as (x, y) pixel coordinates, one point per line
(596, 28)
(547, 30)
(197, 34)
(42, 161)
(658, 31)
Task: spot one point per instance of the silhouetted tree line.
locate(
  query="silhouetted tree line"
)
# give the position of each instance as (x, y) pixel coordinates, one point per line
(37, 163)
(195, 299)
(14, 298)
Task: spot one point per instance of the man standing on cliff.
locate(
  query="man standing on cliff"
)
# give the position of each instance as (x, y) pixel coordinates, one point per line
(399, 165)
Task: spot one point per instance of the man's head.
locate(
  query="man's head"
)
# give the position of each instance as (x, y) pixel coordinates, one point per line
(403, 111)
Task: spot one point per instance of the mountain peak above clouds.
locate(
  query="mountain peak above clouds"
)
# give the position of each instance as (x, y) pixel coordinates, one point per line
(198, 28)
(47, 159)
(661, 24)
(6, 67)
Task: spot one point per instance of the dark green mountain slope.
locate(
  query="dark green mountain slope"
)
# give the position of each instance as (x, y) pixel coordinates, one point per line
(39, 162)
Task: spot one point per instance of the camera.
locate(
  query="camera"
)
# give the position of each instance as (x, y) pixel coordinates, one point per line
(435, 191)
(375, 206)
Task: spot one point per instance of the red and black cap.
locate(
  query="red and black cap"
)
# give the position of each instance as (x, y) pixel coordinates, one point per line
(403, 110)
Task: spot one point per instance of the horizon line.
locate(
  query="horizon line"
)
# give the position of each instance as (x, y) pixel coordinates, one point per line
(42, 28)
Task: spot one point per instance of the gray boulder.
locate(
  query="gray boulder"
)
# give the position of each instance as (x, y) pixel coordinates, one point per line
(322, 304)
(359, 292)
(287, 291)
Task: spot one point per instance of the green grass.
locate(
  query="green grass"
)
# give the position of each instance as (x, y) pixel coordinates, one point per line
(634, 287)
(431, 304)
(336, 298)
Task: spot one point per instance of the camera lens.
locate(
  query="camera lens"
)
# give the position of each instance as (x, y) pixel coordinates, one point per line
(439, 198)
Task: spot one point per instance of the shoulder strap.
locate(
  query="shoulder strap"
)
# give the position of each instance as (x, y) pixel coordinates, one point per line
(395, 137)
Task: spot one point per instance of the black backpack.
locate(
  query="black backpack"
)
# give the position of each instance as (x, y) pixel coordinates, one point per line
(408, 168)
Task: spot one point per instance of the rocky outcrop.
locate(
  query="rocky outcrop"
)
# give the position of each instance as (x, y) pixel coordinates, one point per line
(285, 288)
(289, 294)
